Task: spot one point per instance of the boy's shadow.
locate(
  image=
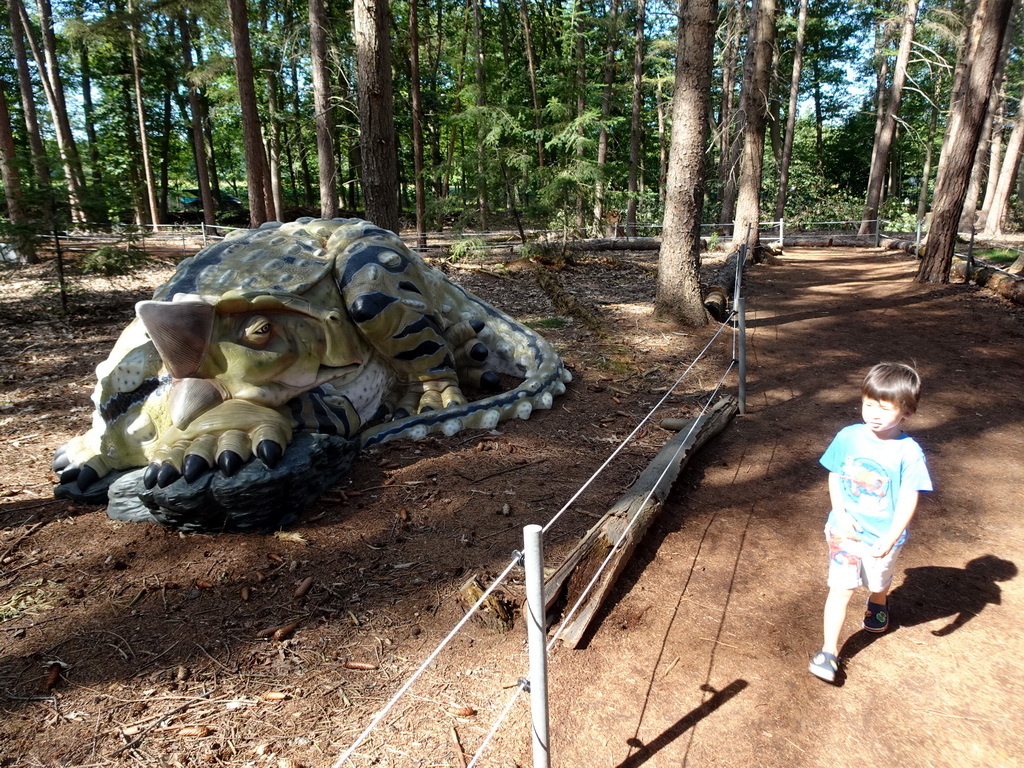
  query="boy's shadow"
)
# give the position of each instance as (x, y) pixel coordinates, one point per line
(936, 592)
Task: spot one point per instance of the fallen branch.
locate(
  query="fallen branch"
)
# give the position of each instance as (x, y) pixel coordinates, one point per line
(624, 525)
(142, 734)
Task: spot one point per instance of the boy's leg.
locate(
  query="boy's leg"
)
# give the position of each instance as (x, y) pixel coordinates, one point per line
(835, 614)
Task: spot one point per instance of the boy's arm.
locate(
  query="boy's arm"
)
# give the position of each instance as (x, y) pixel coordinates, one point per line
(906, 506)
(835, 494)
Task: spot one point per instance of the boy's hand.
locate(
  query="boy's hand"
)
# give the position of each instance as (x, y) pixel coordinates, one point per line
(882, 548)
(849, 526)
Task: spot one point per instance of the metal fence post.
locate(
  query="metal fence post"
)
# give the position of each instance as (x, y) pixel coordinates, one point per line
(741, 323)
(533, 553)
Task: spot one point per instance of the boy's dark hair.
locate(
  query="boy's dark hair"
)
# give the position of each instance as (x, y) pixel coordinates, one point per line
(893, 383)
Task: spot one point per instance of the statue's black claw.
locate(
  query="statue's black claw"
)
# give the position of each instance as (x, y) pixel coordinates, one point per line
(270, 453)
(229, 463)
(477, 325)
(479, 352)
(426, 409)
(168, 474)
(61, 460)
(194, 467)
(490, 382)
(87, 477)
(400, 413)
(149, 477)
(70, 475)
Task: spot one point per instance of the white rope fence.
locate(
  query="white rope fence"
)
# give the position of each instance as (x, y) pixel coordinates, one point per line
(734, 320)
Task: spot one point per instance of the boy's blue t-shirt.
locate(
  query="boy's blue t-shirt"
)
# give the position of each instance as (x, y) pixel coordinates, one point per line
(872, 472)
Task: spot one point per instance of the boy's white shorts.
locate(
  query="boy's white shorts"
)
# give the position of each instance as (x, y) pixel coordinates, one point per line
(849, 565)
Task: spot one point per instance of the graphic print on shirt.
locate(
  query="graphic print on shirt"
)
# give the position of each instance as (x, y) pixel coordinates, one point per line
(866, 482)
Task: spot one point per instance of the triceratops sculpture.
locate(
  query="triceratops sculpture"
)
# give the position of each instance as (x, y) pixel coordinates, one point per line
(247, 385)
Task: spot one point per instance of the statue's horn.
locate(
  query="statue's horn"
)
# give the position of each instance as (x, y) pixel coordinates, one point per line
(181, 332)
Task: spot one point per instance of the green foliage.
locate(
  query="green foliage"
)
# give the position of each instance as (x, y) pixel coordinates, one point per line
(112, 260)
(466, 248)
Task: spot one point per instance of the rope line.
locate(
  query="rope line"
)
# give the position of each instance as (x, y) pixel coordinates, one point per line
(497, 724)
(629, 527)
(632, 434)
(423, 667)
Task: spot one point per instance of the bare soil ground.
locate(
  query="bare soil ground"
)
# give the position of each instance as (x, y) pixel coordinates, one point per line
(128, 644)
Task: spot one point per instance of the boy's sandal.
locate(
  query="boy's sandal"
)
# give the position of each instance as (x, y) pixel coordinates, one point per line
(876, 617)
(824, 665)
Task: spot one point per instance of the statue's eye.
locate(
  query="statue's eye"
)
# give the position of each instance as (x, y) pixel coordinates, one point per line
(258, 331)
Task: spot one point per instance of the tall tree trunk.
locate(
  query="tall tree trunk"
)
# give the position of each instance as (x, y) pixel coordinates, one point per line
(966, 115)
(883, 38)
(635, 126)
(140, 114)
(662, 145)
(991, 137)
(581, 94)
(884, 138)
(20, 241)
(926, 172)
(794, 96)
(524, 13)
(1004, 185)
(88, 112)
(417, 124)
(678, 293)
(40, 163)
(755, 106)
(376, 111)
(53, 88)
(252, 135)
(198, 144)
(307, 179)
(481, 102)
(460, 78)
(328, 169)
(726, 114)
(273, 140)
(611, 45)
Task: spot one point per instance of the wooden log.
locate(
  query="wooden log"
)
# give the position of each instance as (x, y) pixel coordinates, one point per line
(720, 289)
(494, 613)
(1002, 284)
(623, 526)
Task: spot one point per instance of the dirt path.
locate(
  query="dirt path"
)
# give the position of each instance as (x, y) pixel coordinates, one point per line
(702, 660)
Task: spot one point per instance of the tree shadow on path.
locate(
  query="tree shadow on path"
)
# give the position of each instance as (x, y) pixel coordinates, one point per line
(934, 592)
(646, 751)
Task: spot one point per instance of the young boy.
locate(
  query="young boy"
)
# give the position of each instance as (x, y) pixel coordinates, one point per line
(875, 474)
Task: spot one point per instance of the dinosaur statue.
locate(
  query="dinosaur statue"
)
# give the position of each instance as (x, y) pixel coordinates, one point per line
(248, 384)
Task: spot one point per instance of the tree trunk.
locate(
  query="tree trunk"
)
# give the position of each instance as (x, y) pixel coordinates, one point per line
(273, 141)
(417, 124)
(198, 145)
(662, 144)
(53, 88)
(678, 292)
(884, 138)
(794, 95)
(88, 113)
(635, 126)
(755, 106)
(40, 163)
(581, 96)
(966, 115)
(481, 102)
(524, 13)
(606, 109)
(252, 135)
(991, 136)
(19, 240)
(140, 114)
(727, 114)
(926, 172)
(376, 112)
(328, 169)
(1004, 185)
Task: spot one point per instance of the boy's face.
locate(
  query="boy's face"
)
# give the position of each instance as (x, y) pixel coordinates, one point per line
(885, 419)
